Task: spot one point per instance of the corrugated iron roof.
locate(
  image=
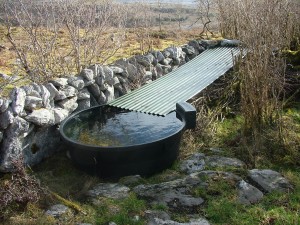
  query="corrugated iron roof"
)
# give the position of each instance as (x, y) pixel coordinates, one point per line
(160, 96)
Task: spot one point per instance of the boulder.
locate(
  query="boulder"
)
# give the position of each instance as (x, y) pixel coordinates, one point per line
(269, 180)
(189, 50)
(30, 91)
(248, 194)
(40, 143)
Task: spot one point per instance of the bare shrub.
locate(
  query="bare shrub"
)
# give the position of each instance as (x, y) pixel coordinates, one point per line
(265, 28)
(20, 189)
(62, 37)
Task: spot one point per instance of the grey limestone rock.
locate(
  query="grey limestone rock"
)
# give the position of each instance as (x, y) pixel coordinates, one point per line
(76, 82)
(230, 43)
(57, 210)
(30, 91)
(5, 105)
(158, 221)
(167, 61)
(109, 190)
(83, 104)
(220, 161)
(210, 43)
(17, 96)
(189, 50)
(269, 180)
(45, 95)
(32, 103)
(248, 194)
(69, 104)
(109, 93)
(68, 91)
(117, 70)
(83, 94)
(217, 174)
(59, 114)
(174, 194)
(87, 74)
(194, 163)
(59, 82)
(102, 98)
(94, 89)
(6, 118)
(41, 117)
(131, 180)
(52, 90)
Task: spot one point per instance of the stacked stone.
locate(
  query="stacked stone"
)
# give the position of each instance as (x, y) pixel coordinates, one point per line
(29, 118)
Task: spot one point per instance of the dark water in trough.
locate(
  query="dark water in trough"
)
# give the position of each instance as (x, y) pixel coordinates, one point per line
(109, 127)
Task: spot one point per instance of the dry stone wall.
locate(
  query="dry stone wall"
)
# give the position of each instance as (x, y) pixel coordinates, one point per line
(30, 117)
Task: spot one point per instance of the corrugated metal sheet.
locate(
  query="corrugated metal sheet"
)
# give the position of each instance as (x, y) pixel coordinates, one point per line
(160, 96)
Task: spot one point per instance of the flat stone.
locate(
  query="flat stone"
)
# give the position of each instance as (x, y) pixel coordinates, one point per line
(220, 161)
(150, 216)
(194, 163)
(248, 194)
(269, 181)
(230, 43)
(217, 174)
(131, 180)
(17, 96)
(109, 190)
(57, 210)
(158, 221)
(41, 117)
(59, 82)
(174, 194)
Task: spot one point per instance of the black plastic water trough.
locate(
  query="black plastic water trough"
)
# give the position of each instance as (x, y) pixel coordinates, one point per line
(112, 142)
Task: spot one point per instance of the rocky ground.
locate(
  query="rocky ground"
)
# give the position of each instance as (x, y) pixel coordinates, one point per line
(182, 191)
